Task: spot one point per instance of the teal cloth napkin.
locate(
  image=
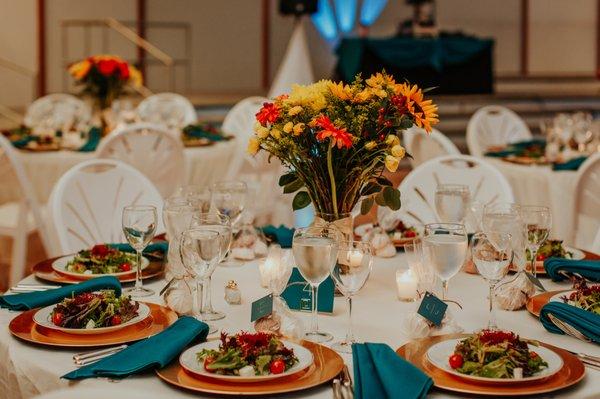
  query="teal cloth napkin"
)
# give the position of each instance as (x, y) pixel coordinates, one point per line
(201, 132)
(94, 136)
(33, 300)
(22, 143)
(156, 351)
(572, 164)
(590, 269)
(283, 235)
(587, 323)
(502, 153)
(380, 373)
(160, 246)
(528, 143)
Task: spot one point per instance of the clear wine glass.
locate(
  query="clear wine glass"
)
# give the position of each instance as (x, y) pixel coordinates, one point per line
(492, 255)
(537, 221)
(196, 195)
(177, 216)
(350, 273)
(413, 251)
(222, 224)
(315, 251)
(506, 217)
(446, 244)
(229, 198)
(200, 251)
(139, 225)
(451, 202)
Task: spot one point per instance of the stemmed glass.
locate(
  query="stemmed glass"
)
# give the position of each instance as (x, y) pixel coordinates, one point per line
(177, 216)
(446, 244)
(315, 251)
(491, 254)
(350, 273)
(418, 265)
(506, 217)
(537, 221)
(221, 223)
(200, 251)
(229, 198)
(196, 195)
(451, 202)
(139, 225)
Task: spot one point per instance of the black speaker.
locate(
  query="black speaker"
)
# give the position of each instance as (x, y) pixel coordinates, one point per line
(297, 7)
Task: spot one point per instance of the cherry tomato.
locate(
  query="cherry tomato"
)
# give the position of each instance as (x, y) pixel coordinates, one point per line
(533, 355)
(456, 361)
(58, 318)
(115, 320)
(207, 361)
(410, 233)
(540, 257)
(277, 366)
(125, 267)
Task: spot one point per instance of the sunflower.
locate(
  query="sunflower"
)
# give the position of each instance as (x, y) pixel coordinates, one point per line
(341, 91)
(424, 111)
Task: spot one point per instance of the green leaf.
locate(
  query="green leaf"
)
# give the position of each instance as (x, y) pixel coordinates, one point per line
(383, 181)
(380, 199)
(293, 186)
(392, 198)
(405, 123)
(370, 188)
(301, 200)
(366, 205)
(286, 179)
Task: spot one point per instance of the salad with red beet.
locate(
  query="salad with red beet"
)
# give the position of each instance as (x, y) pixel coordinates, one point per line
(101, 259)
(248, 354)
(584, 297)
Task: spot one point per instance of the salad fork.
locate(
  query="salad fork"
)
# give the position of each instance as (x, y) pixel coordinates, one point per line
(567, 328)
(83, 359)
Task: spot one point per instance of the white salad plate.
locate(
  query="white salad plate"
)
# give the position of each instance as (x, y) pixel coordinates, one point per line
(43, 317)
(557, 297)
(439, 354)
(577, 253)
(60, 266)
(189, 362)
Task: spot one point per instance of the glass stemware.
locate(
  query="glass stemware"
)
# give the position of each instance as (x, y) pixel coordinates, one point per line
(451, 202)
(195, 195)
(229, 198)
(221, 223)
(446, 244)
(315, 251)
(506, 217)
(139, 225)
(537, 221)
(491, 254)
(414, 257)
(177, 217)
(350, 273)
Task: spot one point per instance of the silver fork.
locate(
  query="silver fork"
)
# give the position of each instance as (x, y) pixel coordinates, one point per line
(85, 358)
(567, 328)
(347, 388)
(24, 288)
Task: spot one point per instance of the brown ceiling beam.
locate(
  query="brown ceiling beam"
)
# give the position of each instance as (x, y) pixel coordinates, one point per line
(524, 60)
(41, 47)
(265, 47)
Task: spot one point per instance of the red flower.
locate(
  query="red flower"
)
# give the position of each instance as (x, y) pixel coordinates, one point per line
(123, 71)
(401, 104)
(107, 67)
(269, 113)
(340, 137)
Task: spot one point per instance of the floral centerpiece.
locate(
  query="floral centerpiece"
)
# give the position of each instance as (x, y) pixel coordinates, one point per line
(336, 140)
(105, 77)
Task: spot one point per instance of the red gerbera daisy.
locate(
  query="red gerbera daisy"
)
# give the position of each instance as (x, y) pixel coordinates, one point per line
(269, 113)
(340, 136)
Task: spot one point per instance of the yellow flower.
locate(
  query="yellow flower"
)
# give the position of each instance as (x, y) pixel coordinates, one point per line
(363, 96)
(391, 163)
(276, 133)
(261, 131)
(80, 69)
(370, 145)
(253, 146)
(423, 111)
(398, 151)
(340, 90)
(135, 76)
(392, 140)
(312, 96)
(288, 127)
(295, 110)
(298, 129)
(379, 80)
(379, 93)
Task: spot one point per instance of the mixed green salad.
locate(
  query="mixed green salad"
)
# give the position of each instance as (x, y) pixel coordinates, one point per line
(584, 297)
(246, 355)
(551, 249)
(496, 354)
(101, 259)
(94, 310)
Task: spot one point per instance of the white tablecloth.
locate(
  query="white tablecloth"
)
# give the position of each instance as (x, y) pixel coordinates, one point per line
(27, 370)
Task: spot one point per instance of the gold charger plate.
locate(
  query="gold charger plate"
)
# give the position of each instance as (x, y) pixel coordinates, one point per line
(415, 352)
(535, 303)
(23, 327)
(539, 265)
(327, 365)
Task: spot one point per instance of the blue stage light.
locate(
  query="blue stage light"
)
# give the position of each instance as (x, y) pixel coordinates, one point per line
(370, 11)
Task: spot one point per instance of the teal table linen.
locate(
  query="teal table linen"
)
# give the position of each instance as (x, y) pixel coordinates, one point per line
(587, 323)
(201, 132)
(94, 136)
(587, 268)
(572, 164)
(283, 235)
(160, 246)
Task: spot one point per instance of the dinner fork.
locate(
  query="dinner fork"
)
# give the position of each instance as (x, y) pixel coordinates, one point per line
(567, 328)
(85, 358)
(347, 388)
(24, 288)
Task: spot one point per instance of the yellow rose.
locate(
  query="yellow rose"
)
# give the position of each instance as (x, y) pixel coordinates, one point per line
(295, 110)
(398, 151)
(288, 127)
(276, 133)
(392, 140)
(298, 129)
(391, 163)
(261, 131)
(253, 146)
(370, 145)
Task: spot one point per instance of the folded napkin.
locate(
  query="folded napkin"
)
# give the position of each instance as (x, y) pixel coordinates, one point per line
(380, 373)
(587, 323)
(502, 153)
(160, 246)
(528, 143)
(590, 269)
(156, 351)
(203, 132)
(32, 300)
(572, 164)
(282, 235)
(94, 136)
(22, 142)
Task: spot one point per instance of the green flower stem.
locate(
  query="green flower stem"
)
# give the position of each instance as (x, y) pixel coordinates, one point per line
(332, 180)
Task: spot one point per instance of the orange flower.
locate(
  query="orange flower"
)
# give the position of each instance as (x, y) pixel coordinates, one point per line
(269, 113)
(340, 137)
(424, 111)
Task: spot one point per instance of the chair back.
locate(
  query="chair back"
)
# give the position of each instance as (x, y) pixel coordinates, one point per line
(423, 146)
(88, 200)
(494, 125)
(152, 150)
(169, 109)
(58, 112)
(586, 212)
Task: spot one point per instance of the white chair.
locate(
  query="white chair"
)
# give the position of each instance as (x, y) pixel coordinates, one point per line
(417, 190)
(494, 126)
(423, 146)
(151, 149)
(87, 202)
(58, 111)
(19, 218)
(169, 109)
(586, 211)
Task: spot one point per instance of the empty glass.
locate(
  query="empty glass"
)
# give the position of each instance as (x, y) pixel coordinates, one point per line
(350, 273)
(505, 217)
(538, 222)
(139, 225)
(419, 266)
(195, 195)
(229, 198)
(451, 202)
(177, 217)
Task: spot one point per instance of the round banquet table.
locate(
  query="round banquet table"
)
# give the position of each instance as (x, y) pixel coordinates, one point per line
(27, 370)
(540, 185)
(203, 165)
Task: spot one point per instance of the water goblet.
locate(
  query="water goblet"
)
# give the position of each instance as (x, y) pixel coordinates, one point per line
(139, 225)
(506, 217)
(229, 198)
(451, 202)
(537, 221)
(196, 195)
(413, 251)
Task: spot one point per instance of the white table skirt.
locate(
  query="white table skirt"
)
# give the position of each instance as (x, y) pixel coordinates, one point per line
(27, 370)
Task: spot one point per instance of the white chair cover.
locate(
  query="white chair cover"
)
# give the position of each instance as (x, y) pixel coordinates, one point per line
(151, 149)
(87, 202)
(494, 126)
(58, 111)
(169, 109)
(423, 146)
(586, 213)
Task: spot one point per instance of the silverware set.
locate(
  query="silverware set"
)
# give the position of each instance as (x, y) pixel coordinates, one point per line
(23, 288)
(342, 385)
(590, 361)
(85, 358)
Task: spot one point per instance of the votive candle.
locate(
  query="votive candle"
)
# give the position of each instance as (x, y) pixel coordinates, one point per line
(407, 285)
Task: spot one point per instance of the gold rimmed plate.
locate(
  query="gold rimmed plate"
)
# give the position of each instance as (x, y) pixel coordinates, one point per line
(571, 372)
(535, 303)
(326, 366)
(578, 254)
